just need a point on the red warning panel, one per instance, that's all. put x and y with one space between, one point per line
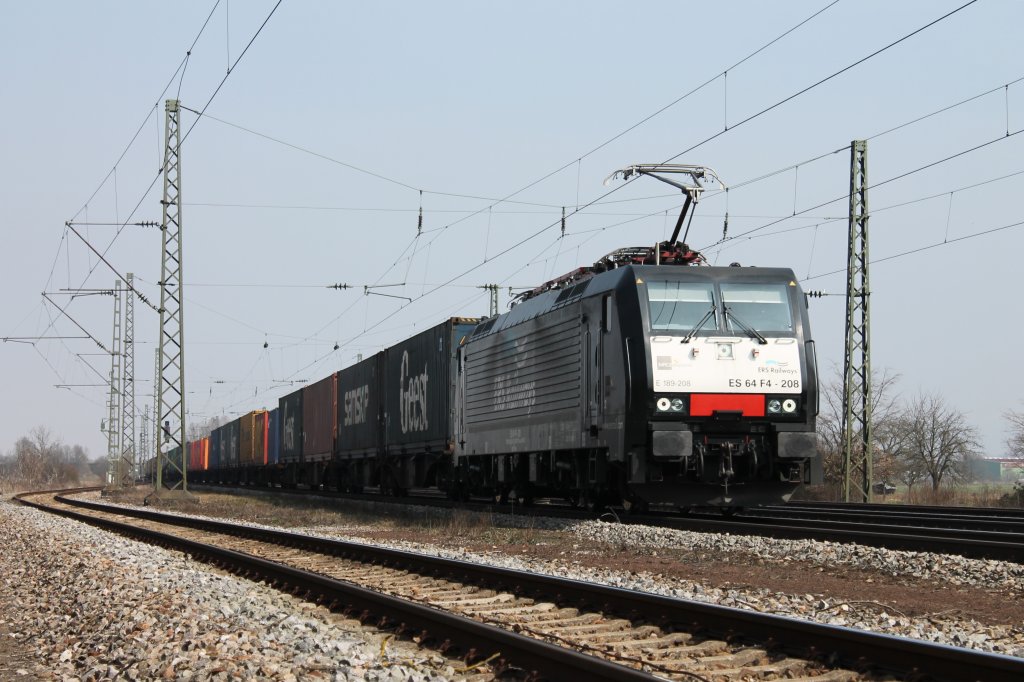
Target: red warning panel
704 404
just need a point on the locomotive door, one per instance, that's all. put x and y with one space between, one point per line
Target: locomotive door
597 348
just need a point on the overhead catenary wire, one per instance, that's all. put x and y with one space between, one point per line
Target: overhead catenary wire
578 162
153 182
836 219
493 257
170 81
926 247
194 123
744 121
874 185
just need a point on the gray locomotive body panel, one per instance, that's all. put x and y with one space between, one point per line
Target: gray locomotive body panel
523 387
549 375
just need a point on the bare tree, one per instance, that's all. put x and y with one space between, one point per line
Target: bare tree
1015 443
200 429
40 459
886 415
939 441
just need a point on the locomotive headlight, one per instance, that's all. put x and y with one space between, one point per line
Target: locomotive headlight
677 404
774 406
664 404
789 405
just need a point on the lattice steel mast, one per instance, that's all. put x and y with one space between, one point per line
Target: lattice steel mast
127 466
857 363
114 403
155 414
492 290
142 451
170 427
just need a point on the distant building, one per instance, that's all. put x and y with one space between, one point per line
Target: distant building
998 469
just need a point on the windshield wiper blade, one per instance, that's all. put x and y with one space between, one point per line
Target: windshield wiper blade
746 327
703 320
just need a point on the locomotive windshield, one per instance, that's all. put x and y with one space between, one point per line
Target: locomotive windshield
737 308
680 306
763 307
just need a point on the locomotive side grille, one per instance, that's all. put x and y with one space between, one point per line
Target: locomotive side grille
530 369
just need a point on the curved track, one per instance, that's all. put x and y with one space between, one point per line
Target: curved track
546 626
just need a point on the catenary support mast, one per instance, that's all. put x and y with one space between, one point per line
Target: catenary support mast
126 468
492 290
857 363
170 427
155 414
114 401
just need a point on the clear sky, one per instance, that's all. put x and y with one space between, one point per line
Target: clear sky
471 102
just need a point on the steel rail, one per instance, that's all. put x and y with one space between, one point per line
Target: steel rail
1000 512
972 544
806 639
996 524
549 661
1004 546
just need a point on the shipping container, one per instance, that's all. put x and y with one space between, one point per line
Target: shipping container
290 407
215 448
418 388
319 419
172 465
252 439
204 453
229 444
359 416
273 436
194 457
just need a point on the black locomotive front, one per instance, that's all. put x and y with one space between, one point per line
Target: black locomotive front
730 394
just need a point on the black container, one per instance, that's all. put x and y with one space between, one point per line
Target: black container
274 436
229 444
360 422
419 387
290 410
215 462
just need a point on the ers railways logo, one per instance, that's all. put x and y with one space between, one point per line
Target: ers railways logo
412 397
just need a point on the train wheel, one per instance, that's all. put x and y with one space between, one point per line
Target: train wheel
636 506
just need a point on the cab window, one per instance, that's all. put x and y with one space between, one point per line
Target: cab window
680 306
764 307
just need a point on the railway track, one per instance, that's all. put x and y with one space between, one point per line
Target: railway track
972 535
931 534
540 626
997 520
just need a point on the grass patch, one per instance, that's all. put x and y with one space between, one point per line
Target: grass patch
354 517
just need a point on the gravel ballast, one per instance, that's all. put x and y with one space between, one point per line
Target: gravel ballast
82 603
581 560
87 597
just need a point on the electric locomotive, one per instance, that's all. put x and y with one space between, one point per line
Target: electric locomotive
646 378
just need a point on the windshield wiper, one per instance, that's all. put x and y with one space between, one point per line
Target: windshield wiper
745 327
703 321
